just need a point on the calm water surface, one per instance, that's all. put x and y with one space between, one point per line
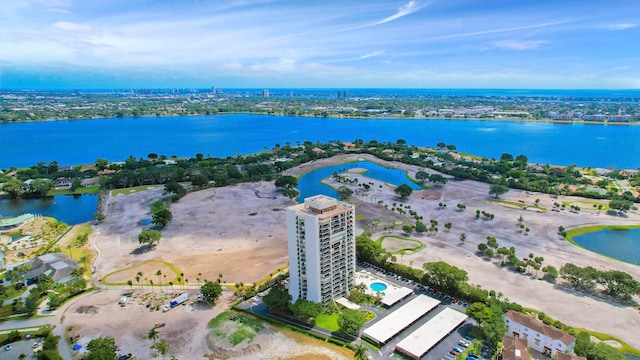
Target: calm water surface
620 244
84 141
72 209
309 184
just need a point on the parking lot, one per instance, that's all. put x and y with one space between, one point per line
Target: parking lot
441 350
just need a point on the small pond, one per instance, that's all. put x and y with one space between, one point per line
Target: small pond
621 244
309 184
71 209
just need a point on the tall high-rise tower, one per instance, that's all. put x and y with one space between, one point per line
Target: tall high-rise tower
322 249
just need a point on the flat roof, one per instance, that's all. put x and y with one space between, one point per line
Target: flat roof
428 335
394 296
13 221
399 319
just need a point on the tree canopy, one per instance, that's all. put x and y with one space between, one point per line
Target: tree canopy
497 190
445 277
102 348
404 191
278 299
286 182
162 217
149 237
351 321
211 291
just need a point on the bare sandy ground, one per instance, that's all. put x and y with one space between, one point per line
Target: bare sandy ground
239 231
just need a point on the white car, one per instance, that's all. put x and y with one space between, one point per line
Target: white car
464 343
8 347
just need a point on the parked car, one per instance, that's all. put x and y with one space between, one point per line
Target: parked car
8 347
464 343
458 349
453 352
454 300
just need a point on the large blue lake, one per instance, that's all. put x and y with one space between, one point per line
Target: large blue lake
72 209
84 141
309 183
619 244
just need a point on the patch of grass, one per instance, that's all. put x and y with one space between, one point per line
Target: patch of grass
625 348
131 190
519 205
78 191
173 268
220 319
368 315
420 246
328 321
360 217
371 345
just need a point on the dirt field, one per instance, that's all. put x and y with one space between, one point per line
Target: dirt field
240 232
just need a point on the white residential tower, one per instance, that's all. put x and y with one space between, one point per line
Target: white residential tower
322 249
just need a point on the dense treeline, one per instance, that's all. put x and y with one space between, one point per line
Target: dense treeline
616 283
202 171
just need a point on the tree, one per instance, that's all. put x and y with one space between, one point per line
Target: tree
420 227
360 352
497 190
445 277
404 191
291 193
422 176
211 291
308 309
102 348
437 179
286 182
463 237
52 355
278 299
620 205
344 192
175 188
618 284
162 347
153 334
162 217
99 217
149 237
550 273
75 184
350 322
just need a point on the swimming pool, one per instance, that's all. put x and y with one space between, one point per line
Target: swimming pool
378 286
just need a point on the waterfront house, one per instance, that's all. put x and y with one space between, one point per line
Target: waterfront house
543 338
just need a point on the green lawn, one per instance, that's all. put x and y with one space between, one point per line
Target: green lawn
244 327
328 321
420 244
78 191
131 190
519 205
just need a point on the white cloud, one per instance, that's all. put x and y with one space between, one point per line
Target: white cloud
406 9
618 27
69 26
520 45
371 54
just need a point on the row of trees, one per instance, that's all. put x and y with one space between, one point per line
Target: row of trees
350 322
616 283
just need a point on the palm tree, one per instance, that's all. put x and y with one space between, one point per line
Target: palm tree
130 283
165 279
152 334
151 284
138 281
158 273
360 352
83 259
219 278
163 348
145 279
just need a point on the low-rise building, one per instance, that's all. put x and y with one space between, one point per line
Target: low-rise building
514 349
543 338
58 266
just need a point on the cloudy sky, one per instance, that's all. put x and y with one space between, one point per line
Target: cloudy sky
318 44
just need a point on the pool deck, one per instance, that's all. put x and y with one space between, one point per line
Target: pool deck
393 294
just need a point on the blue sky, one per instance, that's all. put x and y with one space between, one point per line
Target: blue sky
318 44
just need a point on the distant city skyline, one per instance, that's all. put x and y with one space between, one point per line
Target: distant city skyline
544 44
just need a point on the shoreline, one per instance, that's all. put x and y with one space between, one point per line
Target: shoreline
341 116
